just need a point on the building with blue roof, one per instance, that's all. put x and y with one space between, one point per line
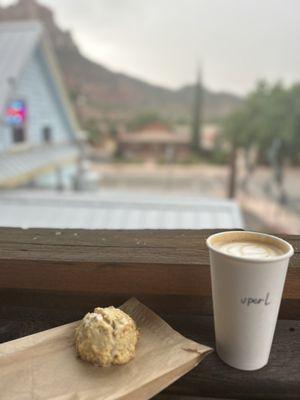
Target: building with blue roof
39 133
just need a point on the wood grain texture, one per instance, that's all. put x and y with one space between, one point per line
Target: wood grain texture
51 277
146 262
212 378
160 303
179 397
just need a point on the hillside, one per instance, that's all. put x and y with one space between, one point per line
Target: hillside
103 95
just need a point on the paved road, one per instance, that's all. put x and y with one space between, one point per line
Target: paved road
205 179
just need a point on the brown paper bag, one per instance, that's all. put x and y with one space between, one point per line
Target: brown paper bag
45 366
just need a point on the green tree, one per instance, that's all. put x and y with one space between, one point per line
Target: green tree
293 124
268 120
91 126
197 116
144 119
232 131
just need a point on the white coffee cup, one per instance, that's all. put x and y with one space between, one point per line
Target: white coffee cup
247 285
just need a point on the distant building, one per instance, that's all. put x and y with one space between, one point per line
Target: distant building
160 143
39 134
154 141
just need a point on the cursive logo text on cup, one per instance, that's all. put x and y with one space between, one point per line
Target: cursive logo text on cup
256 300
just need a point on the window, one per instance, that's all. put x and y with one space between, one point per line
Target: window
15 117
47 134
18 134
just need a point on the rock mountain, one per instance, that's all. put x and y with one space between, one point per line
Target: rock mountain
103 95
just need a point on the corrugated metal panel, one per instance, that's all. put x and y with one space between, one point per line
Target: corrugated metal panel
19 165
109 210
17 41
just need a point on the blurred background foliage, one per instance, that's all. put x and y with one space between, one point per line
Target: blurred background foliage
268 120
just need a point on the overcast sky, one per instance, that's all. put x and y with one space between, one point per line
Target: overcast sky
237 41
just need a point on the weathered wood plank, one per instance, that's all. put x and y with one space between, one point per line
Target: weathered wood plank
179 279
68 272
184 238
189 245
81 302
113 277
126 262
212 378
179 397
103 254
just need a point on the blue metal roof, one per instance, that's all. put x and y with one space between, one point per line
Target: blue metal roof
109 209
21 166
17 41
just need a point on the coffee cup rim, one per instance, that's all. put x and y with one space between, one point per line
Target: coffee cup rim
288 254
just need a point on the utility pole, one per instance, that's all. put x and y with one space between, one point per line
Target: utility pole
197 115
232 171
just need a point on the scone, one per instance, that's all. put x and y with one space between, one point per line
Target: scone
107 336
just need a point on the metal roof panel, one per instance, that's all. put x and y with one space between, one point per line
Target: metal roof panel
16 167
109 210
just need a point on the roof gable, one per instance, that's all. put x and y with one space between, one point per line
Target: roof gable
18 41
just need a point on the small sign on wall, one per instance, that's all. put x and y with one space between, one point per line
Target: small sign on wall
16 113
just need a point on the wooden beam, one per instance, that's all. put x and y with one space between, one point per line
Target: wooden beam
149 262
79 302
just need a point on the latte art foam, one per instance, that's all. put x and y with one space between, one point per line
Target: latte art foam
250 249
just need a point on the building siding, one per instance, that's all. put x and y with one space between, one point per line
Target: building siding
44 108
62 176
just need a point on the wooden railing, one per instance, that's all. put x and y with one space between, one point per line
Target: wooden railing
169 268
49 277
